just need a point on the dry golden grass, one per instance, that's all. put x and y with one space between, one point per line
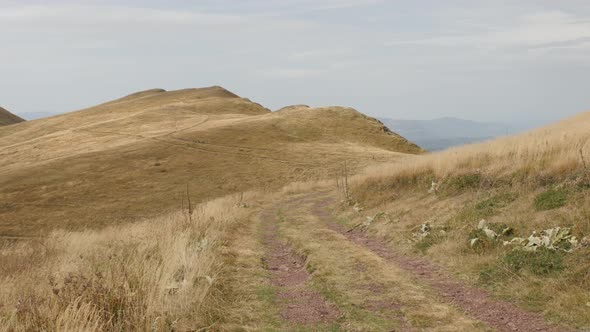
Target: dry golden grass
550 163
133 157
160 274
90 234
556 151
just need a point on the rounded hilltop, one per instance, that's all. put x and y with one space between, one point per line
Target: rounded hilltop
206 92
208 100
332 124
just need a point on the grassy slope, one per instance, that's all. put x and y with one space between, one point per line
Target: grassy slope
132 277
133 157
7 118
529 182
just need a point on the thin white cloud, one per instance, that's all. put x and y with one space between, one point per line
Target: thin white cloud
291 73
487 55
291 6
110 14
317 54
533 30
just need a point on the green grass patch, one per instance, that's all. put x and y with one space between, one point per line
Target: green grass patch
266 293
541 262
551 199
490 206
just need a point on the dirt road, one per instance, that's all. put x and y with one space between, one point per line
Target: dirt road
323 277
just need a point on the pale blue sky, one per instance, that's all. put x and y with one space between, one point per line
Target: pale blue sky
511 61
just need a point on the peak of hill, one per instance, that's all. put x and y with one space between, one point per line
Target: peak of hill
336 123
7 118
132 157
194 93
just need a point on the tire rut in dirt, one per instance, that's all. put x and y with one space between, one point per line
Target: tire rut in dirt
298 304
477 303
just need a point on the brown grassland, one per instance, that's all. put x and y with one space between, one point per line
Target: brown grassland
98 236
132 158
94 230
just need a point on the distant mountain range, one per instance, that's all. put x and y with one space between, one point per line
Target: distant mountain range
443 133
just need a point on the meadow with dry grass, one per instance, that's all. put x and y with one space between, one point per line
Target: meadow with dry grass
101 239
520 185
159 274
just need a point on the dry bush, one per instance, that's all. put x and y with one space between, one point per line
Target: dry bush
160 274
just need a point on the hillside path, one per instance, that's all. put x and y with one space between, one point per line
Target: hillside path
363 273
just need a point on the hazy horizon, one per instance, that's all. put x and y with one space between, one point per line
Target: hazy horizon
524 64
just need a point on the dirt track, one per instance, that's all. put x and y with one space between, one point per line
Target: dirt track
466 308
299 304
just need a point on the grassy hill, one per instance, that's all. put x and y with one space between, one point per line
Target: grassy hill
405 250
135 156
7 118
